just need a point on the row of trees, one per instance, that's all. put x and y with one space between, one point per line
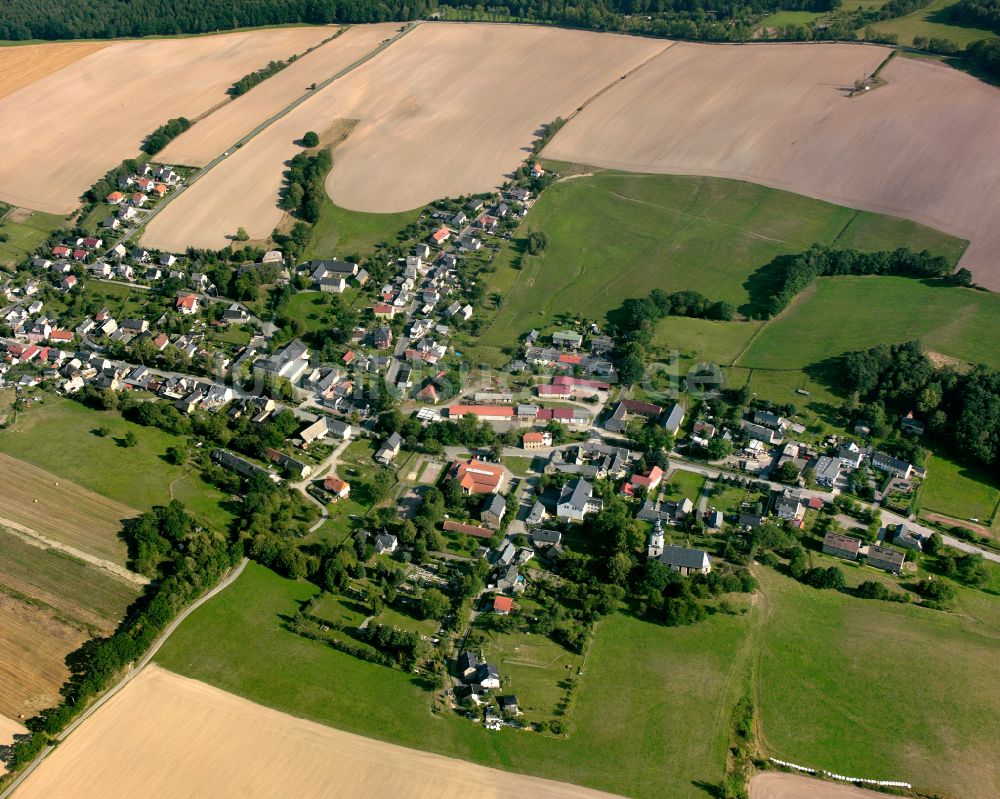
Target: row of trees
186 560
795 273
247 82
962 409
304 192
162 136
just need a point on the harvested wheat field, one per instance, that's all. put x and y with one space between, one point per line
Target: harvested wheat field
21 65
33 647
38 501
923 146
221 129
447 109
63 131
165 736
777 785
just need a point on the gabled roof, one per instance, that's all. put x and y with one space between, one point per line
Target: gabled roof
682 557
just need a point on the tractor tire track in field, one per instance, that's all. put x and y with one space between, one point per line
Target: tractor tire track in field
36 539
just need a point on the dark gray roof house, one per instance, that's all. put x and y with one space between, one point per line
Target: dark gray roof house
686 561
890 560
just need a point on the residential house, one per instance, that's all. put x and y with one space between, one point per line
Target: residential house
758 432
577 500
467 529
440 236
385 542
341 489
567 339
886 559
187 304
382 338
909 424
389 450
502 605
536 440
894 466
289 362
827 471
908 539
493 511
789 506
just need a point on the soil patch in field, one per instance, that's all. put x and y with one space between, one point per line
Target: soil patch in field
166 736
775 785
22 65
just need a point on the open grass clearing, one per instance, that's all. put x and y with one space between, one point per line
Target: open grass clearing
354 233
668 720
25 231
960 491
841 314
683 485
932 21
830 698
58 435
674 233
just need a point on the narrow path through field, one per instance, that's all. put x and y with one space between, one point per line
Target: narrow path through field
34 538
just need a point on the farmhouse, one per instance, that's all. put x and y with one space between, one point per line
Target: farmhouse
686 561
536 440
841 546
628 409
477 477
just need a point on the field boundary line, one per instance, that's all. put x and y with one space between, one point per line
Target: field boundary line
35 538
227 579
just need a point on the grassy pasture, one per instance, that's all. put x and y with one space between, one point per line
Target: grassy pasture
668 719
932 21
58 435
881 690
960 491
840 314
616 235
344 233
24 234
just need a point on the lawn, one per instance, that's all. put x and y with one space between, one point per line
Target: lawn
534 668
518 465
655 698
617 235
840 314
932 21
783 18
881 690
25 236
962 492
312 309
341 233
700 340
683 485
58 435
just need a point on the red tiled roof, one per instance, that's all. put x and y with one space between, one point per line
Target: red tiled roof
476 476
468 529
479 410
504 604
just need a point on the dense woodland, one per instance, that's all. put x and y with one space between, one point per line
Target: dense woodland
982 13
962 409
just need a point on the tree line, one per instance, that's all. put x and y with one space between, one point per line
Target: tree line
163 135
795 273
247 82
186 560
978 13
305 191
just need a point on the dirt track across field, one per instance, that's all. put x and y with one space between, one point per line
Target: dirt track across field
923 146
63 131
165 736
778 785
60 510
445 110
21 65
